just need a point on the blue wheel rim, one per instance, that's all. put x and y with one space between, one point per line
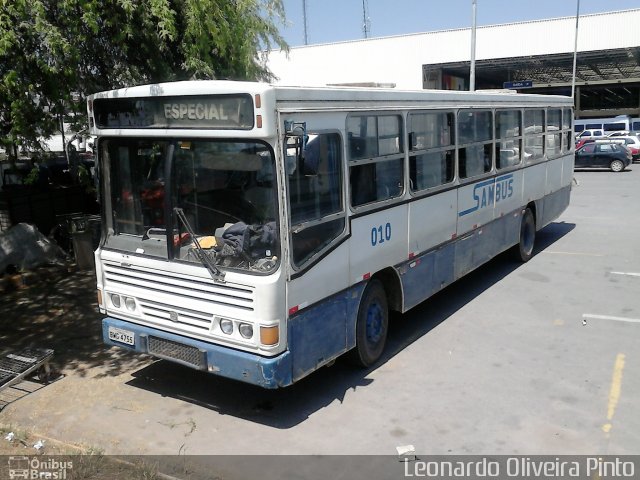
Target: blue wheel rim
375 318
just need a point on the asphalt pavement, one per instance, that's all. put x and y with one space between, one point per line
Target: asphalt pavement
536 358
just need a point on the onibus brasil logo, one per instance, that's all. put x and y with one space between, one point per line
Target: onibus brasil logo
38 468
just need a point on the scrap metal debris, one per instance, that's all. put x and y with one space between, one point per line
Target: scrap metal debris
24 247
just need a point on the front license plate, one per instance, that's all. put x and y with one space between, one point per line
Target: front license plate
122 336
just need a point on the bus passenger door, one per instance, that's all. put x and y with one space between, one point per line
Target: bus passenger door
317 288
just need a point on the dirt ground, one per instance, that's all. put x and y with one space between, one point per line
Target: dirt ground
55 307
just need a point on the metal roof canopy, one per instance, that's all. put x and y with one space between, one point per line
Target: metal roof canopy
596 67
608 81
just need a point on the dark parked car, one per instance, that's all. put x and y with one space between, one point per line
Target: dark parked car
599 154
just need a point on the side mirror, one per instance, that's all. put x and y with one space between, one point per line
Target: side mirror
294 134
302 151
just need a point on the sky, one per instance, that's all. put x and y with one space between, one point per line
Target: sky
341 20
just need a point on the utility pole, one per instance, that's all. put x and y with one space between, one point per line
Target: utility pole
575 53
304 17
472 73
366 22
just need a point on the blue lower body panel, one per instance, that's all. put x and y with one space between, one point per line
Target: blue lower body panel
267 372
322 332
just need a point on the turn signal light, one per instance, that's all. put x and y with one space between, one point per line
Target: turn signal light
269 335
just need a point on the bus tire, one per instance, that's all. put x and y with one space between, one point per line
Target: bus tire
372 325
524 249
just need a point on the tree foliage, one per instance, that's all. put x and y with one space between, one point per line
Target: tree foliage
55 52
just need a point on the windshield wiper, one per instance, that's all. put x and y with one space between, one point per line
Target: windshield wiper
214 271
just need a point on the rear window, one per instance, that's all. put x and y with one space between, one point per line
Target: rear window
606 148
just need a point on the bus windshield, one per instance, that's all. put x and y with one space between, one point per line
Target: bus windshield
226 190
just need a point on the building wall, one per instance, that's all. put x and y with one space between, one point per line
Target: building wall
398 60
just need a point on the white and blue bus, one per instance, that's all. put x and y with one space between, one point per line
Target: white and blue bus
621 123
259 232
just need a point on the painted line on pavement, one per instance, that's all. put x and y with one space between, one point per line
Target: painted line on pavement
583 254
590 316
628 274
614 391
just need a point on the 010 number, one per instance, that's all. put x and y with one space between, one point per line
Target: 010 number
380 234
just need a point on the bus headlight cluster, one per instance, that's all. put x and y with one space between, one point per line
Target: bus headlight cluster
246 330
117 300
228 327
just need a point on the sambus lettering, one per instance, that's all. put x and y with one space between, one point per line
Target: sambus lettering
485 193
504 187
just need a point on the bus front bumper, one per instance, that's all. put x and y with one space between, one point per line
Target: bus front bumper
267 372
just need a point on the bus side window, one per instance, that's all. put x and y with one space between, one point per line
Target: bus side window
375 143
534 131
508 138
475 135
314 196
363 184
432 147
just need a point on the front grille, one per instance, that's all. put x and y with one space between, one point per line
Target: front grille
184 287
178 301
170 350
177 315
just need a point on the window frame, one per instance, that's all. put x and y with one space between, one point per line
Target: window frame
411 152
483 143
499 139
557 134
543 134
342 214
371 160
568 140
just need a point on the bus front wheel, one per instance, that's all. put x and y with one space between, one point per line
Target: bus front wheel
372 325
524 249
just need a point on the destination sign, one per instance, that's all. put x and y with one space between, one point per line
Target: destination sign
211 111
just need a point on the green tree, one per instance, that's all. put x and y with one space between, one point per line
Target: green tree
55 52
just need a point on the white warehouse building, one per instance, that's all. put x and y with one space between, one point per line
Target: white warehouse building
536 55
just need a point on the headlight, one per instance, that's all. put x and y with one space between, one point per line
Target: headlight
130 303
226 326
115 299
246 330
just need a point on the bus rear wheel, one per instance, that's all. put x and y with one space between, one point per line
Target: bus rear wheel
372 325
524 249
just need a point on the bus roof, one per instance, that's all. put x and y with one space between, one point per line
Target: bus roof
331 93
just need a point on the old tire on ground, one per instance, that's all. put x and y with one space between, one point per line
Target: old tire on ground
523 251
371 326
